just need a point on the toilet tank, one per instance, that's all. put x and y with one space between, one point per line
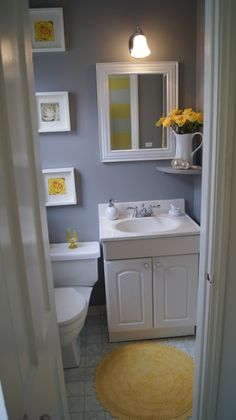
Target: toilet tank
75 267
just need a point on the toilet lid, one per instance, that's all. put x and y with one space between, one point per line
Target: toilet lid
70 305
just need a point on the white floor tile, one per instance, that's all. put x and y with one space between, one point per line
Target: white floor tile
94 339
93 348
94 415
89 388
92 403
77 416
76 404
75 388
89 373
93 359
76 374
108 416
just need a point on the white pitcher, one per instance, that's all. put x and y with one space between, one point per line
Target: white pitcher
184 149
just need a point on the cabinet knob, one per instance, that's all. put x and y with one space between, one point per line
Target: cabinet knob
158 264
146 265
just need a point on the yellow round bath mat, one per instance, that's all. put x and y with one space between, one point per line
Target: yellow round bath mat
146 381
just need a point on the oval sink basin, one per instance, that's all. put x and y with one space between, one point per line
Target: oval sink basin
147 225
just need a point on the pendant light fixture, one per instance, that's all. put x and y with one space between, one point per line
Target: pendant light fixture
138 46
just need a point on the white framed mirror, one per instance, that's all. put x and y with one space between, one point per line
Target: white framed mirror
131 98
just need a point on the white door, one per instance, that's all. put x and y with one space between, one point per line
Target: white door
218 193
129 294
175 281
30 363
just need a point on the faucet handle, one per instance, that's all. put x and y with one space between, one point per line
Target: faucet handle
144 211
155 206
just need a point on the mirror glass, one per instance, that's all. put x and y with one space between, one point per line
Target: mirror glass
131 98
136 101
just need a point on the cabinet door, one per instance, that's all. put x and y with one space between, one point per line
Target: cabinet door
175 280
129 294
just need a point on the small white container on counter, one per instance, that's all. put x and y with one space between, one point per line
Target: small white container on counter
112 212
175 211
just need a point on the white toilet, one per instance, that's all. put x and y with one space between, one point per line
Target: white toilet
75 272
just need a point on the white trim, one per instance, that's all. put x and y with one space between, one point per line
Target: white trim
170 69
220 69
134 111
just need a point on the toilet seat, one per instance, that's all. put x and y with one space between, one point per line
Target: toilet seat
71 306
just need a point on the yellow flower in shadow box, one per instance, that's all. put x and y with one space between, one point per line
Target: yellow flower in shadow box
56 186
59 186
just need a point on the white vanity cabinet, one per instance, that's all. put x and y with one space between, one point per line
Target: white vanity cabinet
151 297
175 280
151 271
129 293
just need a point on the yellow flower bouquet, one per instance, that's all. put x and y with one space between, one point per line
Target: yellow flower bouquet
182 121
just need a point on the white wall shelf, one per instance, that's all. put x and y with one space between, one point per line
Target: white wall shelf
169 170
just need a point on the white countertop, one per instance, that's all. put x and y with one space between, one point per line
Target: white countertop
107 232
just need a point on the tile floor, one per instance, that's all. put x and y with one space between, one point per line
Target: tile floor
82 401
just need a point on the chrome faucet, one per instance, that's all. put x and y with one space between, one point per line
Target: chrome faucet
135 211
144 211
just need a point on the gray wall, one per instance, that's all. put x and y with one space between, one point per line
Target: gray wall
99 32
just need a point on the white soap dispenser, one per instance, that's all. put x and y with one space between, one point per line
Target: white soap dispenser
112 211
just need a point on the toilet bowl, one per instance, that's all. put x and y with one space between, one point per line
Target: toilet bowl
74 275
71 309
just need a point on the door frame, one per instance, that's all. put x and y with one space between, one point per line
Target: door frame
220 67
219 133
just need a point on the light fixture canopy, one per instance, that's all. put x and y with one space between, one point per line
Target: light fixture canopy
138 46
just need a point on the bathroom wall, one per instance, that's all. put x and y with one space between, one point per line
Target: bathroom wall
99 32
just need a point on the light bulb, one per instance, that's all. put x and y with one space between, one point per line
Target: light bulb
140 47
138 44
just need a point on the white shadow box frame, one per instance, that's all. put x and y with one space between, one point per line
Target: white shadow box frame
53 111
59 186
47 29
